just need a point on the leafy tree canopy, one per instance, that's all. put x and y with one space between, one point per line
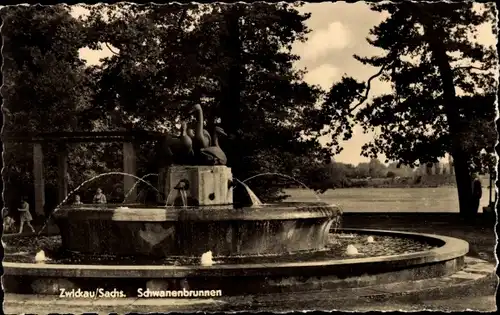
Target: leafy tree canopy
235 60
412 119
45 89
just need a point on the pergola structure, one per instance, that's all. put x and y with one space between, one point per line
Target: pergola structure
130 139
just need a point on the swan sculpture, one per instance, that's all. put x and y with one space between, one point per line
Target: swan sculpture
180 148
201 137
214 154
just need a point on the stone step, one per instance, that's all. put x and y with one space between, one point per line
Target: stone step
476 279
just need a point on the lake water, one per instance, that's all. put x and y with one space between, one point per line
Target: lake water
440 199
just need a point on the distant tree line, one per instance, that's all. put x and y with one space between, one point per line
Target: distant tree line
377 174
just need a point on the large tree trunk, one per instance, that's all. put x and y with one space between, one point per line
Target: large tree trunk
464 186
460 157
230 110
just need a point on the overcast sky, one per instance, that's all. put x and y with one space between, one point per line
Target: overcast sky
338 30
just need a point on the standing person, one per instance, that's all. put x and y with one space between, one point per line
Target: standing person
477 193
25 216
5 212
77 200
99 197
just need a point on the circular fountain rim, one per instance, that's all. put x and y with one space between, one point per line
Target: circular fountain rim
278 211
451 248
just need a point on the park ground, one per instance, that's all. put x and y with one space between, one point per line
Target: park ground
479 233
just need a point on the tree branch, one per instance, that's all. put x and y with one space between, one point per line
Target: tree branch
368 85
469 68
109 47
182 17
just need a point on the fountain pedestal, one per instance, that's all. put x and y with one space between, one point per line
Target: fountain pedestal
273 229
204 185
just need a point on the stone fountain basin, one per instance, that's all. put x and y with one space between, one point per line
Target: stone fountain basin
445 259
191 231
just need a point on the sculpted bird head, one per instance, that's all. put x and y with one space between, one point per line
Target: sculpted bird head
219 130
195 108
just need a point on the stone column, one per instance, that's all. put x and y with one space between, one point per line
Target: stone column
62 173
39 179
162 171
129 167
429 169
437 168
422 169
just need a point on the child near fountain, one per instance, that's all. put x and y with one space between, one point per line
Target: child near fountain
99 197
25 216
77 200
8 222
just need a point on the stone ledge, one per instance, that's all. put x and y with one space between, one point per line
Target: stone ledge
409 291
282 211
